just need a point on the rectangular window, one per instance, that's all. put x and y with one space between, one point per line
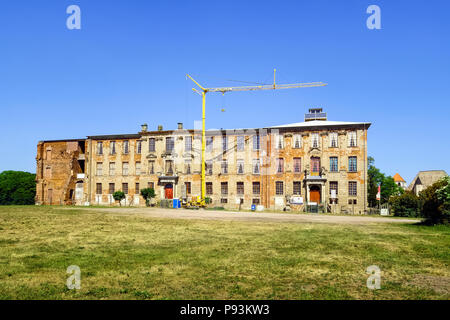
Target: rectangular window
209 144
125 188
187 166
188 143
297 165
125 168
169 167
240 166
224 200
112 147
224 188
297 188
137 188
188 187
99 148
280 165
279 141
352 188
138 168
151 145
224 143
99 188
351 136
334 164
112 168
279 189
256 166
315 166
111 188
224 166
151 185
256 188
240 143
333 140
352 164
240 188
209 188
126 147
256 142
151 167
139 147
170 144
209 167
255 201
297 141
315 140
334 186
99 168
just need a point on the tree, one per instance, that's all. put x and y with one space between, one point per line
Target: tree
17 188
435 204
389 188
405 205
119 196
148 194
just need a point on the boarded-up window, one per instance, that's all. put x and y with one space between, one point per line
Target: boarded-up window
48 172
297 188
137 188
240 188
209 188
279 189
99 188
224 187
256 188
188 187
151 185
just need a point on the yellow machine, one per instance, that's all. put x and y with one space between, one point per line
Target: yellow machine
194 203
223 90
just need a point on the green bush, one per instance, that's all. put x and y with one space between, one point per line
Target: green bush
147 194
119 196
436 202
17 188
405 205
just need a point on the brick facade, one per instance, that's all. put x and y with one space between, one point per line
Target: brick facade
244 167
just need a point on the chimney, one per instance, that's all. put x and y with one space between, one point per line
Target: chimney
160 128
144 127
180 126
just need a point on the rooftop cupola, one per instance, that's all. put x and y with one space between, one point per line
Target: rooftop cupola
315 114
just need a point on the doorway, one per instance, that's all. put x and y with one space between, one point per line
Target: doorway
314 194
168 191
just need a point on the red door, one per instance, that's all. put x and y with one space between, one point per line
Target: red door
314 194
168 191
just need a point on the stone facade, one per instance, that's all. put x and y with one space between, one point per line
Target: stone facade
283 167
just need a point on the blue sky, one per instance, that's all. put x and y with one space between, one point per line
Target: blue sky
127 66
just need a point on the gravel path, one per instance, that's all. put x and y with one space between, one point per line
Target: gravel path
250 216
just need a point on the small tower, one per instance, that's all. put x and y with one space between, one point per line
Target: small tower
315 114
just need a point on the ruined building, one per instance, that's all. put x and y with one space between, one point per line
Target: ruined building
317 162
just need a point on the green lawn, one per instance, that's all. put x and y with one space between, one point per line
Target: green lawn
122 256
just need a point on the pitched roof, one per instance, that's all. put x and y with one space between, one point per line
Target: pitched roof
321 123
398 178
427 178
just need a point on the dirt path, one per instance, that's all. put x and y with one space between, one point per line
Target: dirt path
249 216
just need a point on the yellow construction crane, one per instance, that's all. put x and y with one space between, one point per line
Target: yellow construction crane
223 90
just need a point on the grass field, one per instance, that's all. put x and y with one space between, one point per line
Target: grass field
123 256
